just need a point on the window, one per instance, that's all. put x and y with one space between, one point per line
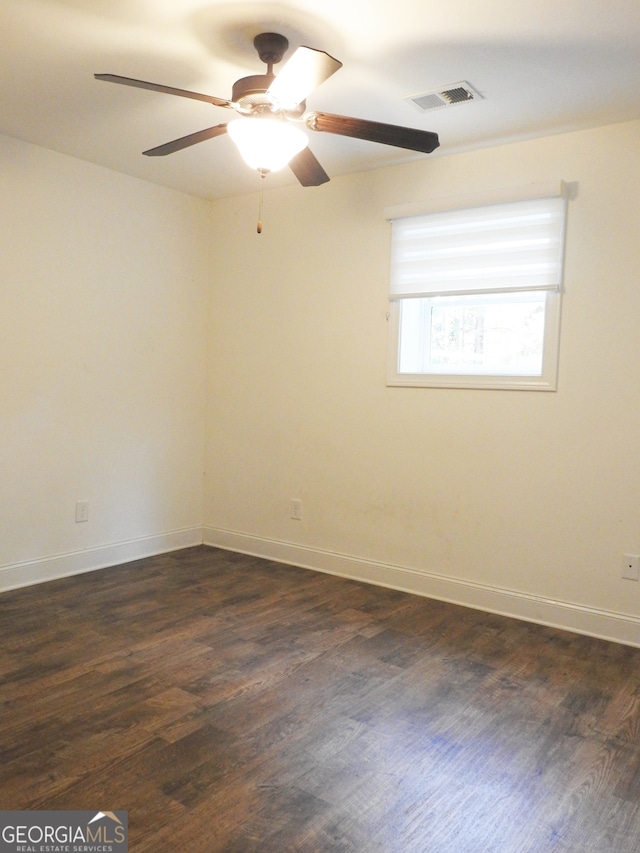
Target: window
475 295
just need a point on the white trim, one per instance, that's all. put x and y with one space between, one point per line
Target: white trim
77 562
501 195
607 625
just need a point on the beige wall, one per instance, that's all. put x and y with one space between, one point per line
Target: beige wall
103 291
461 493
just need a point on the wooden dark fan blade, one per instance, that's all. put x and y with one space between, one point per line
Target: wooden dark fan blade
168 90
307 169
374 131
186 141
303 73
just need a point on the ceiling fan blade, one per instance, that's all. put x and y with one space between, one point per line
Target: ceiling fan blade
307 169
374 131
303 73
186 141
168 90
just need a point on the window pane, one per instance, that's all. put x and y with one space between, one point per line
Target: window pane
494 334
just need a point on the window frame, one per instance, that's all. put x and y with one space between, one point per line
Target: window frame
547 379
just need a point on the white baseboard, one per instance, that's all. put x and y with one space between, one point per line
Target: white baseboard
77 562
607 625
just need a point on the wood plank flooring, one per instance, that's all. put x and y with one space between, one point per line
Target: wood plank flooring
235 705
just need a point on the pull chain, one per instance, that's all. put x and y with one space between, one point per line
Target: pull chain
261 199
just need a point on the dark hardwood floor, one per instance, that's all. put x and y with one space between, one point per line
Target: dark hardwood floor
233 704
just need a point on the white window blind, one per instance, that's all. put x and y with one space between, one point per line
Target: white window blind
499 248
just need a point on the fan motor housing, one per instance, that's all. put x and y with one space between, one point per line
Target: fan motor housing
250 92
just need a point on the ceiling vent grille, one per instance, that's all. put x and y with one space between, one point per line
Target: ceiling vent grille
449 96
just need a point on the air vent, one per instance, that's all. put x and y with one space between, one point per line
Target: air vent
448 96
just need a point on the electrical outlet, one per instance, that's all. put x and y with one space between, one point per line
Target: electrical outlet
631 566
82 511
295 509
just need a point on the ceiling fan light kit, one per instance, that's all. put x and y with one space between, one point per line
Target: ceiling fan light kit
266 144
271 106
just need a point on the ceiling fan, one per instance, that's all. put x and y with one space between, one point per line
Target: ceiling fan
276 102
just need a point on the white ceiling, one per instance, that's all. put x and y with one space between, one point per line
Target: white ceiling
542 67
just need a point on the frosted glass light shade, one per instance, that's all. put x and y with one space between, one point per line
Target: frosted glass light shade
266 144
